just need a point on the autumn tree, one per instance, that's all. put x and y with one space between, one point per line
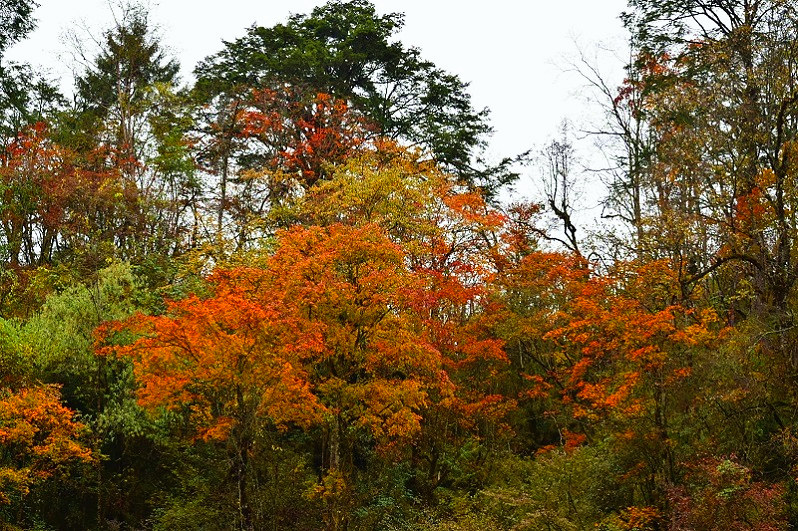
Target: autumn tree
37 181
613 352
220 362
278 143
722 102
379 368
303 134
40 437
42 440
447 233
312 343
58 206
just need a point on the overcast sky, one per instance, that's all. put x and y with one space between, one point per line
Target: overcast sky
514 53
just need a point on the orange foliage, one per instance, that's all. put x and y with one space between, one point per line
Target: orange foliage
446 235
223 359
336 324
612 334
39 436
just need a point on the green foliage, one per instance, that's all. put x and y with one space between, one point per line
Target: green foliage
25 96
203 495
15 355
130 62
556 490
62 333
16 20
58 344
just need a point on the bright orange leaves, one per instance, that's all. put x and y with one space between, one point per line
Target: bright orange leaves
610 335
354 285
224 359
329 327
38 436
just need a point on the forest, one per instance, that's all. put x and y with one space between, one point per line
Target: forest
291 292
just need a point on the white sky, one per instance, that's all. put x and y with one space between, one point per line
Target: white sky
513 52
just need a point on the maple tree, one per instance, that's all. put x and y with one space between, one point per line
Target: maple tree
220 362
269 146
39 437
309 340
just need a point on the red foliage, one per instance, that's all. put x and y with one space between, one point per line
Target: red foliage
303 134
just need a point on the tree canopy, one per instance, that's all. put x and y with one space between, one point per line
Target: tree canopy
286 295
347 50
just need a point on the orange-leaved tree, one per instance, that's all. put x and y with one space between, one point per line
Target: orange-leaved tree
379 367
609 351
447 234
328 333
268 146
302 133
230 364
39 438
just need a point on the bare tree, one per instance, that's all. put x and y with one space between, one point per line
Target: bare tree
560 187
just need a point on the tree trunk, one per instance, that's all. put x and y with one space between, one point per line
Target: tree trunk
241 468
